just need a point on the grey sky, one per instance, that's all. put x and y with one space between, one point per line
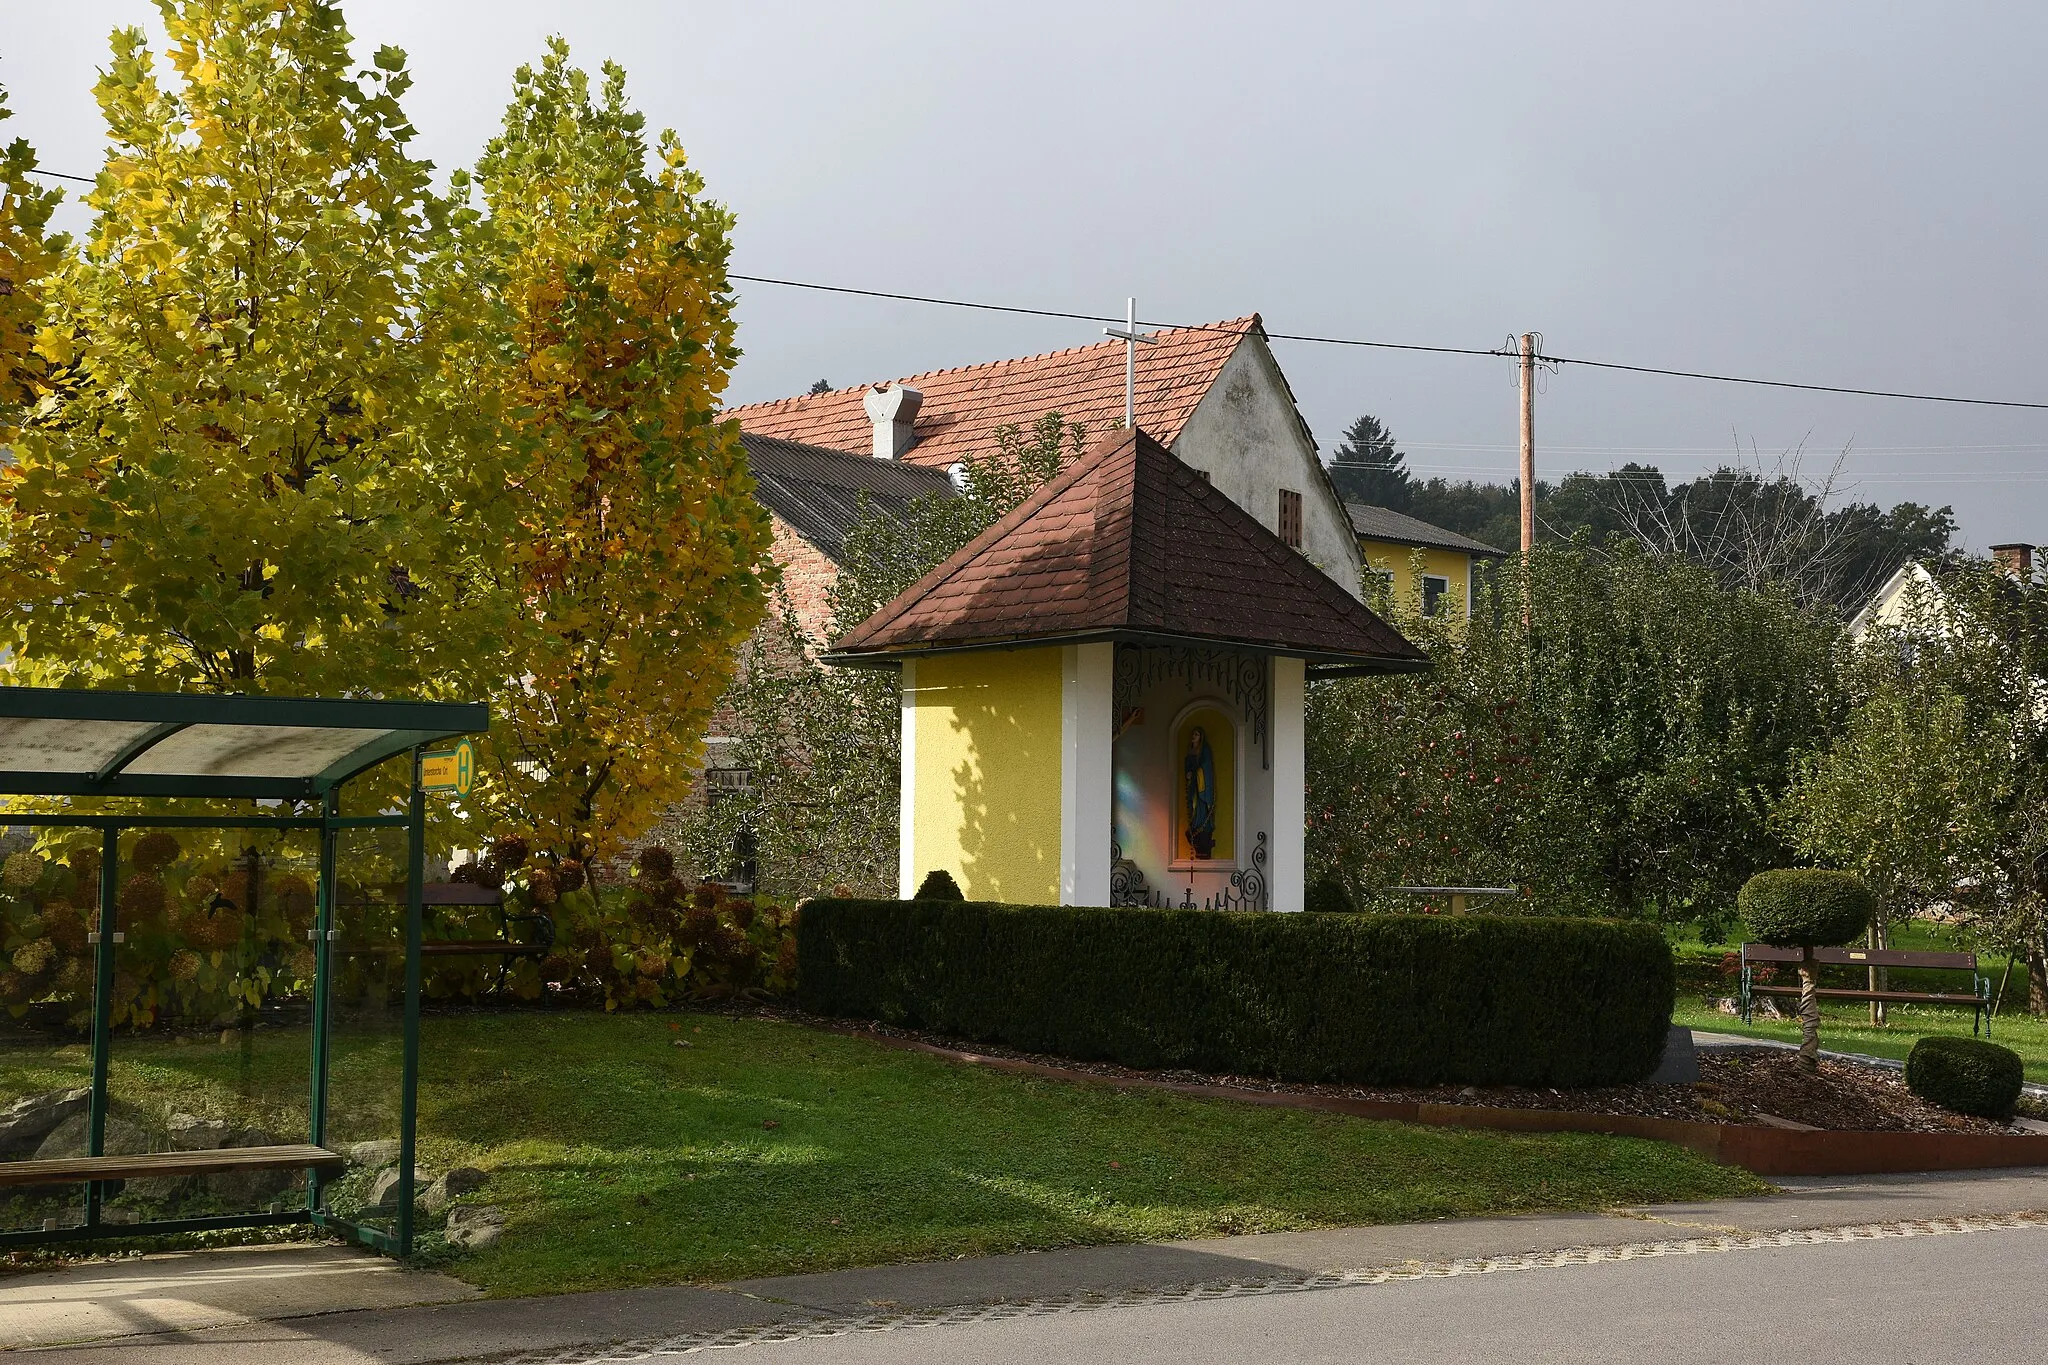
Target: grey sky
1844 194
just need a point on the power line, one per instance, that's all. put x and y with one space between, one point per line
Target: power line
1099 317
59 175
1788 384
1403 346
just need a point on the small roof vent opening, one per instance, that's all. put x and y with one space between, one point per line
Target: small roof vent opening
893 410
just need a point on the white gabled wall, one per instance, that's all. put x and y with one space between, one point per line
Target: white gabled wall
1087 741
906 800
1246 435
1288 880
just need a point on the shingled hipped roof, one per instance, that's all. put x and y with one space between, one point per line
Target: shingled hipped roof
1130 543
963 407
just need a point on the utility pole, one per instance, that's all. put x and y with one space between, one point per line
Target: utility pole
1528 444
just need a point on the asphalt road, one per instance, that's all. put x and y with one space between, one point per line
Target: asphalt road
1980 1297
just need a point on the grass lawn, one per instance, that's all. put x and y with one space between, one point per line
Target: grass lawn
621 1158
1846 1027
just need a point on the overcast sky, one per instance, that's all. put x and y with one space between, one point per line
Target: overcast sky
1844 194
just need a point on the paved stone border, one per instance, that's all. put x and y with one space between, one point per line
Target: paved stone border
691 1343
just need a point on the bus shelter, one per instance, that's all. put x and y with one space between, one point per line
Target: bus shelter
238 992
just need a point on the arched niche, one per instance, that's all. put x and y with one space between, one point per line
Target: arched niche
1202 771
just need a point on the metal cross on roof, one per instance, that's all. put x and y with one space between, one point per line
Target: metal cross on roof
1130 337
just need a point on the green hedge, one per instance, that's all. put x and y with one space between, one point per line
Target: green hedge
1967 1075
1385 999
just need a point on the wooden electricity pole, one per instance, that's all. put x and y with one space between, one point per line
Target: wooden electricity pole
1528 446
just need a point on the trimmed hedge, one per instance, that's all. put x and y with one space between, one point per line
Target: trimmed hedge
1377 999
1806 907
1967 1075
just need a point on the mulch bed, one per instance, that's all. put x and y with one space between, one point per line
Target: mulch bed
1736 1086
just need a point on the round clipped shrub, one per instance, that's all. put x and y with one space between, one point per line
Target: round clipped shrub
1968 1075
1326 895
938 885
1806 907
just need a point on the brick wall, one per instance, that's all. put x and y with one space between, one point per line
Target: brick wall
807 578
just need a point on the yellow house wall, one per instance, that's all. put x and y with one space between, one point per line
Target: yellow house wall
987 769
1399 560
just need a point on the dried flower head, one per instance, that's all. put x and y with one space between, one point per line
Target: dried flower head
155 851
655 862
141 900
33 959
509 852
184 965
21 870
569 875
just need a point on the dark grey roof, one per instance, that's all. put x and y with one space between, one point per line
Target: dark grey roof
1384 523
818 491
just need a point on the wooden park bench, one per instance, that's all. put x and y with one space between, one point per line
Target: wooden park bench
505 945
158 1165
1458 894
1977 1000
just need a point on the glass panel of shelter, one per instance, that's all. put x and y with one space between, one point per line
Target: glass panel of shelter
211 1042
365 1026
49 903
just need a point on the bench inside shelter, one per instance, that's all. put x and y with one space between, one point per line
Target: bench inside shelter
1977 998
158 1165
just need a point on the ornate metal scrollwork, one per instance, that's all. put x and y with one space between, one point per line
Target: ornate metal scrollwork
1239 675
1127 886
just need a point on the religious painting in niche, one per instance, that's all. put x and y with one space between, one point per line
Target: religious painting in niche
1203 772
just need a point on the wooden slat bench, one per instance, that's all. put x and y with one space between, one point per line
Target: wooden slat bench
1977 1000
152 1165
504 946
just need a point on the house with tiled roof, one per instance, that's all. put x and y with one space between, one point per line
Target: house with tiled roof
1214 395
1435 568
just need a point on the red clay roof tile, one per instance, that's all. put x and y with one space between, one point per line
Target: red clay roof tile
1130 541
963 407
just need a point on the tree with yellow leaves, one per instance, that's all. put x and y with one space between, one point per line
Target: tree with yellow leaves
237 479
26 256
639 562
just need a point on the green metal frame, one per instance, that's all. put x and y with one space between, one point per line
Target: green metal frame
404 726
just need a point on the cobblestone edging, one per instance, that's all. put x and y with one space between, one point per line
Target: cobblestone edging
691 1343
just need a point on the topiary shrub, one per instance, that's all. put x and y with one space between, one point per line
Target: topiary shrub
938 885
1967 1075
1806 907
1327 896
1376 999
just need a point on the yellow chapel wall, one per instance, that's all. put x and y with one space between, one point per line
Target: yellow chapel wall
986 802
1399 560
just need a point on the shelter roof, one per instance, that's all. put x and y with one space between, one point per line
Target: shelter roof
1384 523
1131 543
963 407
819 492
68 742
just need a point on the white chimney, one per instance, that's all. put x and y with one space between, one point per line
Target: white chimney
892 410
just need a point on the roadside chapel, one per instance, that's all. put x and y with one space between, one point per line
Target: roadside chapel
1103 694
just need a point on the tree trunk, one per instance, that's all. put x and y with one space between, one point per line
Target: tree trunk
1809 1014
1880 937
2037 976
